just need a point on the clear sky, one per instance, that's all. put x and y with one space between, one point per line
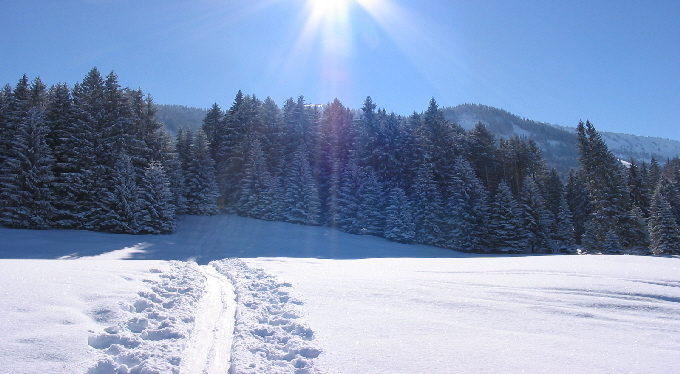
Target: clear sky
616 63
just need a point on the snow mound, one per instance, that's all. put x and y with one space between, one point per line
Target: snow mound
270 335
148 335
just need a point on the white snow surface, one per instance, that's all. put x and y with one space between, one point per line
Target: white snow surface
314 300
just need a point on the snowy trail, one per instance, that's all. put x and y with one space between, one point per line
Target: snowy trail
209 348
270 334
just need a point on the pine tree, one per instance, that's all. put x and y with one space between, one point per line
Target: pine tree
213 127
201 190
156 202
347 213
254 195
399 224
371 207
428 206
537 219
607 188
117 207
663 226
640 196
483 155
6 99
302 195
507 234
71 153
578 202
465 208
334 144
25 185
563 232
519 159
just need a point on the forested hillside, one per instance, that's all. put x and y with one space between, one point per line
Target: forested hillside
175 116
95 157
559 143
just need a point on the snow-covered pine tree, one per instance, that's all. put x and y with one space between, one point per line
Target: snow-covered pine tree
562 233
214 129
428 204
399 224
663 226
519 158
371 215
26 181
172 167
506 233
483 155
465 208
156 202
238 123
117 206
346 216
639 231
74 156
6 98
253 195
537 219
334 142
607 189
640 196
578 202
302 195
201 191
653 176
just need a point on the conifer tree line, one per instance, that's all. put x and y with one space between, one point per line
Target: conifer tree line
94 157
412 179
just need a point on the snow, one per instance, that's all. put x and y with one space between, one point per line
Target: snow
214 327
314 300
557 314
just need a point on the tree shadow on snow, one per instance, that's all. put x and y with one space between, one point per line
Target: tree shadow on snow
204 239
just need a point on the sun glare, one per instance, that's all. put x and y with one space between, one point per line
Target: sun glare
329 8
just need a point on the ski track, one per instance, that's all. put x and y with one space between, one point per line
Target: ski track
220 318
270 335
208 350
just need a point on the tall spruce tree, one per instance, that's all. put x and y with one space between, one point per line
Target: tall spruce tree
399 223
607 189
156 202
302 194
507 233
201 191
663 226
26 181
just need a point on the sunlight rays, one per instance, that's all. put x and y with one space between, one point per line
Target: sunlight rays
331 41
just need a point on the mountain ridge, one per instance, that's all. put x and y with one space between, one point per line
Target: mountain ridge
557 142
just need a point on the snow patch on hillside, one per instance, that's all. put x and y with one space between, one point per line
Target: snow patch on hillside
641 147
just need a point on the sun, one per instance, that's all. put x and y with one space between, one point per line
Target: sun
329 8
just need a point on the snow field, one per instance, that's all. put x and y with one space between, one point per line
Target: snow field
483 314
375 306
270 335
51 308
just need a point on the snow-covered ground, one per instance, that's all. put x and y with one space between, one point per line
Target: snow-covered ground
314 300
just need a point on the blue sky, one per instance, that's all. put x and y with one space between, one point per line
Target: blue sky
616 63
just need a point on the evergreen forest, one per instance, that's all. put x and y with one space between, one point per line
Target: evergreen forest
94 157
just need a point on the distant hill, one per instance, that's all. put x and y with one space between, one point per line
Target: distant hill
558 143
176 116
